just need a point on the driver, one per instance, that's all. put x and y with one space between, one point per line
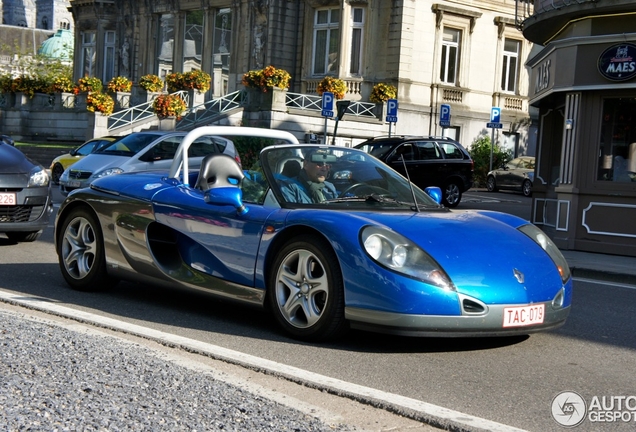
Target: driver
310 186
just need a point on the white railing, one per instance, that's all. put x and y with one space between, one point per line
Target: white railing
314 103
208 111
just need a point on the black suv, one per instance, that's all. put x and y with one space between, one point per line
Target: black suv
431 161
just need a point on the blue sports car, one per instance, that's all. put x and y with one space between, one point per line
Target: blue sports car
326 237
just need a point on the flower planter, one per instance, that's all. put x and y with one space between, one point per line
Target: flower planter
64 100
195 98
122 100
274 99
167 123
140 96
97 125
21 101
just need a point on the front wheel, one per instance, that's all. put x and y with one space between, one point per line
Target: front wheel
56 173
452 195
526 188
305 290
81 252
491 184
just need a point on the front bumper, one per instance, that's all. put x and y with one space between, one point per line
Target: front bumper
487 324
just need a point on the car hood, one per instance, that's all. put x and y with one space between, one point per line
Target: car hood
480 250
96 162
13 161
483 270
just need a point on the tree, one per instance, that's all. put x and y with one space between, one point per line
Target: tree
480 153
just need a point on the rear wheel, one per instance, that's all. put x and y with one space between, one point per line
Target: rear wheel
81 252
305 290
56 173
28 236
491 184
452 194
526 188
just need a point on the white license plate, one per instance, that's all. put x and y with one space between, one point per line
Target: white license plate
74 184
7 198
523 315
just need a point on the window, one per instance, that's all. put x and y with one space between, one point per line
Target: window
193 41
165 41
510 65
451 151
109 55
88 54
326 41
451 41
357 36
428 150
617 152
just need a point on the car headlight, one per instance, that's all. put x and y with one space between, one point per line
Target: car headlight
38 178
107 172
549 247
397 253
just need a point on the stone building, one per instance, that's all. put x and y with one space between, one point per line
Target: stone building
583 82
468 55
36 14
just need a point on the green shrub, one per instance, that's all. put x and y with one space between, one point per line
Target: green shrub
480 152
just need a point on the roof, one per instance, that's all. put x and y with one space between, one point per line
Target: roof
59 46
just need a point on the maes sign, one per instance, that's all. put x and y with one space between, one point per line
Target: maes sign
618 62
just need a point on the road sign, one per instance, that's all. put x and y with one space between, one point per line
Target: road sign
495 115
391 110
494 125
444 115
327 104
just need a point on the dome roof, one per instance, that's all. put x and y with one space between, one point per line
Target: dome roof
59 46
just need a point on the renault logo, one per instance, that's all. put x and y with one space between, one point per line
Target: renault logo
519 276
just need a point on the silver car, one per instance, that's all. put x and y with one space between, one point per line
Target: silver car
140 151
25 195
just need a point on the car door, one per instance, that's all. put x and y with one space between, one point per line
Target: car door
431 169
404 154
508 174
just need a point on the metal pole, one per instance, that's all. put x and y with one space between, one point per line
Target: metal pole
390 124
324 134
492 146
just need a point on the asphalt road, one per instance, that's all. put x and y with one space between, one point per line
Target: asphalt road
508 380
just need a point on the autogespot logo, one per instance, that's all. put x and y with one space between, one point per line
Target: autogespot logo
568 409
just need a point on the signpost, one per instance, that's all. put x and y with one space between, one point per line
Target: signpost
327 111
495 123
444 116
391 112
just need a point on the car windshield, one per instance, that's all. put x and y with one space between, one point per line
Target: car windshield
338 177
129 145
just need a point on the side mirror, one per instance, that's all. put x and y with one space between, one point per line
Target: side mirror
226 196
435 193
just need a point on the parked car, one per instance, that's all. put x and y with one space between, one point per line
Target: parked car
60 163
380 254
518 175
139 151
25 195
430 161
6 139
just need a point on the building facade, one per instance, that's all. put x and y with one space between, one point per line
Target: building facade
583 82
36 14
468 55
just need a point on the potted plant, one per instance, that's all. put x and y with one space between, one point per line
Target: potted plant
382 92
119 84
99 102
151 83
333 85
121 87
62 87
266 78
88 84
169 105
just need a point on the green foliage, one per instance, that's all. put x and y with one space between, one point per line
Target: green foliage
151 83
249 148
265 78
480 153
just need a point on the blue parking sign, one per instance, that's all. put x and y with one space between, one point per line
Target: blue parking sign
444 115
391 110
327 104
495 115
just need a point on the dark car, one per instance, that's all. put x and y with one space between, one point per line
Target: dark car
430 161
25 195
517 175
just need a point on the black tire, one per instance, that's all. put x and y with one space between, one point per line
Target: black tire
80 250
28 236
526 188
56 173
491 184
307 300
452 194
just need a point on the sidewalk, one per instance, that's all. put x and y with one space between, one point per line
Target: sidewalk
611 268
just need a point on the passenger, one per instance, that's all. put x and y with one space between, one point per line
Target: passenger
310 185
